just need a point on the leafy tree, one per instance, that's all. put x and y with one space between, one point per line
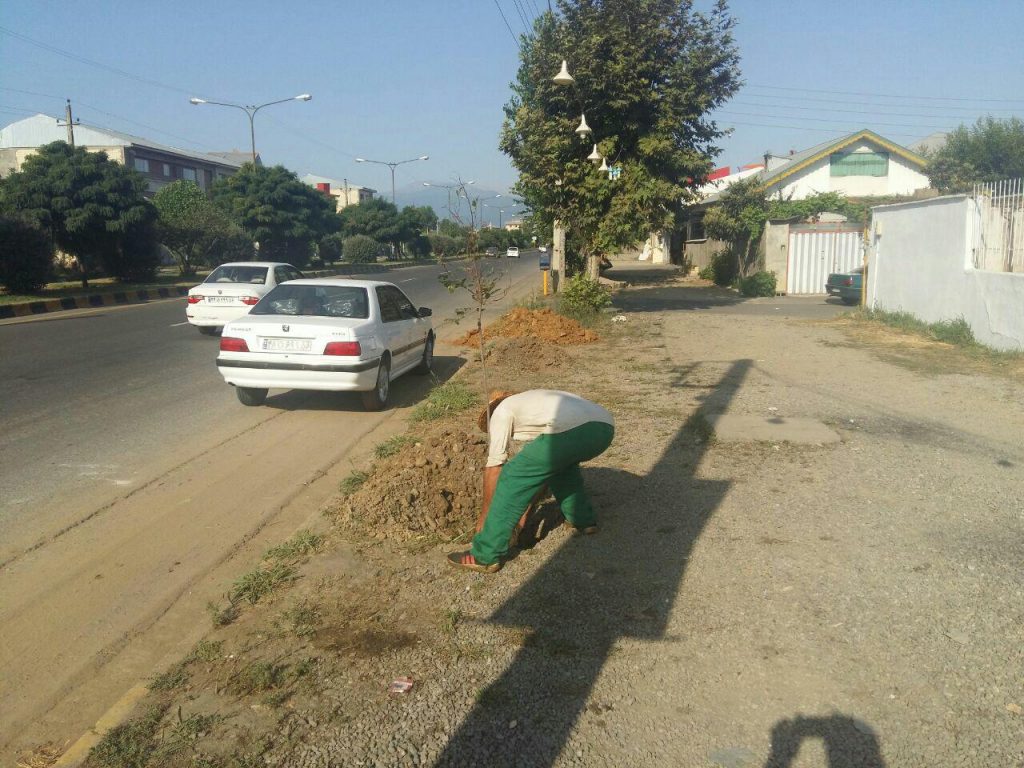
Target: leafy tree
26 255
360 249
331 248
741 213
192 226
452 228
135 255
373 218
990 150
442 245
648 73
88 203
416 219
285 216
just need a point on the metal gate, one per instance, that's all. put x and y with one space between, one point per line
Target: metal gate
815 252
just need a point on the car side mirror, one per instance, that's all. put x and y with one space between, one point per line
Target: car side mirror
425 311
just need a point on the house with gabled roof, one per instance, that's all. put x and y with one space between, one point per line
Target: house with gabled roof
159 164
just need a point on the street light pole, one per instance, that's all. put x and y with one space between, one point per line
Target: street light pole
250 110
392 166
449 188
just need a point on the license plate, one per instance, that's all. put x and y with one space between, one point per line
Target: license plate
286 345
221 300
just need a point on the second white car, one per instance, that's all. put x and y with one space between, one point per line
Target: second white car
231 290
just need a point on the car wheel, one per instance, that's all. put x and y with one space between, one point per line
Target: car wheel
251 395
207 330
427 363
377 398
850 301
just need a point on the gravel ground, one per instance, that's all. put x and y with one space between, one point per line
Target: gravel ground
860 604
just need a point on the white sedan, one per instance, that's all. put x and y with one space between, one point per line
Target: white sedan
327 334
231 290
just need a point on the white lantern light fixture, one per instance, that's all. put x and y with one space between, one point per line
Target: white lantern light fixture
563 77
604 164
583 130
595 156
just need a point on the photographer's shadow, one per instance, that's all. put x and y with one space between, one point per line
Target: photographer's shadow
849 743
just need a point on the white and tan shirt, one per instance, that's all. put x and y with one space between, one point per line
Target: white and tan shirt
536 412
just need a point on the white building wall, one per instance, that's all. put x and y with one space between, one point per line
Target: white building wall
902 179
921 262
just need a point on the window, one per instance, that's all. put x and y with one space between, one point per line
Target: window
405 307
189 174
315 300
167 169
141 165
238 274
859 164
389 309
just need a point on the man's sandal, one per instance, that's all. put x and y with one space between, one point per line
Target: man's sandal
467 561
586 530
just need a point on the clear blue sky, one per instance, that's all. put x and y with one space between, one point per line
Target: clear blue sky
394 79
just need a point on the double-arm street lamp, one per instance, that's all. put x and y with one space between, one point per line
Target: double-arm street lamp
479 202
392 166
449 188
250 110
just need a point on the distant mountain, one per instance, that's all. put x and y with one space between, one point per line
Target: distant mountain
437 198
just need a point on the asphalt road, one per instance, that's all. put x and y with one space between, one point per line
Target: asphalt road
129 478
90 399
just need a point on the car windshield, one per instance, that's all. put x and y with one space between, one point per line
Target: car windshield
315 301
238 274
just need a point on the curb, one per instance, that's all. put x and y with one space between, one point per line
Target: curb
90 302
118 298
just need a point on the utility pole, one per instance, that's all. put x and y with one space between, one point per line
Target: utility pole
69 122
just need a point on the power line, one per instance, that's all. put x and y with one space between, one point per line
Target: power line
507 25
307 137
834 131
522 15
91 62
826 120
887 95
849 111
818 99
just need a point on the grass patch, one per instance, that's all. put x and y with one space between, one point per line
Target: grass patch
130 744
260 582
205 650
259 677
393 445
303 618
222 616
175 677
956 332
353 482
303 543
533 300
451 397
451 621
69 288
185 732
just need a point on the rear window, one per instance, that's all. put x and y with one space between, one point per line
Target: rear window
238 274
315 301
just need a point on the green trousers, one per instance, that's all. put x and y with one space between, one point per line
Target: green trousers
551 460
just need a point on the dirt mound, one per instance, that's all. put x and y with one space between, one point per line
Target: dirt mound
527 353
430 486
543 324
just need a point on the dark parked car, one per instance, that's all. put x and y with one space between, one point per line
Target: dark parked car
846 285
491 252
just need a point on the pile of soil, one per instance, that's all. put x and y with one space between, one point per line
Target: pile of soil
544 324
525 354
430 487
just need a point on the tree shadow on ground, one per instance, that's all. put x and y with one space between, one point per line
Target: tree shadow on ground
647 275
685 297
849 743
592 593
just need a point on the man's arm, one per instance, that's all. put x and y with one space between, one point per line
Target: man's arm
491 475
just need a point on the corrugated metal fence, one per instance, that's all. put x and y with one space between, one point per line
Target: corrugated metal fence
815 252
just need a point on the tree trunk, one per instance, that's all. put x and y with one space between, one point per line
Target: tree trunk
593 266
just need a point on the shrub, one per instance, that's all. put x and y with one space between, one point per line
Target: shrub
707 273
360 249
331 248
25 257
442 245
419 246
758 284
723 268
581 295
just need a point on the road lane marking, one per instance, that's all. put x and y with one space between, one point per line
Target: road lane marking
175 325
411 279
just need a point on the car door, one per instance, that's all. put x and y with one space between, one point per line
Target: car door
392 328
417 327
